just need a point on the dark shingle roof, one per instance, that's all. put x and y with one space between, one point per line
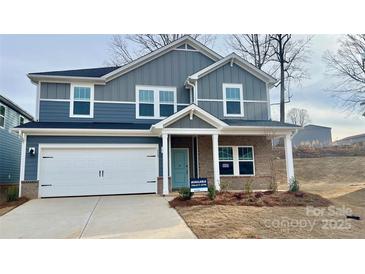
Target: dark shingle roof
90 72
254 123
74 125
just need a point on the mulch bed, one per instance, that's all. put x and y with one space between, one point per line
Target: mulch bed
266 198
7 206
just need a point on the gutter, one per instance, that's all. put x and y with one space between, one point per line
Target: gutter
193 88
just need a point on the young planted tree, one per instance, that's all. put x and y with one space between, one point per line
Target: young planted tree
298 116
347 67
126 48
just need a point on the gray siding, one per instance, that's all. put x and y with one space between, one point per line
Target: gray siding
31 162
55 91
210 86
185 122
10 148
171 69
52 111
252 111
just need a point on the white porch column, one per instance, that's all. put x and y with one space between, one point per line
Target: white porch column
22 161
216 161
289 157
165 164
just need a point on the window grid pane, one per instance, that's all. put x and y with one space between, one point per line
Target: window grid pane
146 96
166 97
2 121
246 168
245 153
225 153
233 94
166 110
82 93
233 107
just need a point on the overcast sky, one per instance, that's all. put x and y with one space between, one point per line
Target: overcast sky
21 54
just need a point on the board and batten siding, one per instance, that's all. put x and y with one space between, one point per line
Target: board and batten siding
55 91
10 148
186 122
31 161
171 69
210 87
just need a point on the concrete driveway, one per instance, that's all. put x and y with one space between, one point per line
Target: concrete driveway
129 216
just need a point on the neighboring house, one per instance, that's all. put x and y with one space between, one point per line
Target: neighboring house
311 136
351 140
11 116
180 112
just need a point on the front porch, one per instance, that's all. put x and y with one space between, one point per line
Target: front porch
194 157
196 144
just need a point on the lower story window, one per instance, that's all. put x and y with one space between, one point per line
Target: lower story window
226 161
245 158
236 160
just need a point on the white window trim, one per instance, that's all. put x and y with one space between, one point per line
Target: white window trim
236 161
72 86
3 115
240 87
156 100
21 116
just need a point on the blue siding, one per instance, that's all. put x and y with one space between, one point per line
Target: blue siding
10 148
59 111
31 162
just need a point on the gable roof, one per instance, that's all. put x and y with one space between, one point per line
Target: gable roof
186 39
90 72
233 57
15 107
105 74
192 110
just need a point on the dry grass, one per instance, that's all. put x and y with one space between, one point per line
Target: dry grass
340 179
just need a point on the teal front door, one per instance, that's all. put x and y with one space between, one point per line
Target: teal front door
180 167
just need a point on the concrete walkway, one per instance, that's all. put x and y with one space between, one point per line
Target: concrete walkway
128 216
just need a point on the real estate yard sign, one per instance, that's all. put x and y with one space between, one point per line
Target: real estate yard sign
198 184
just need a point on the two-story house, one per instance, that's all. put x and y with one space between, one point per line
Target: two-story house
180 112
11 115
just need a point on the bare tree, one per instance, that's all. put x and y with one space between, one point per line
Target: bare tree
347 66
298 116
290 54
126 48
255 48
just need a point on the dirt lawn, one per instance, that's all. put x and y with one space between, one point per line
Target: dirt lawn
340 179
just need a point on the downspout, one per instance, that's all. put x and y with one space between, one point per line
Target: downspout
192 87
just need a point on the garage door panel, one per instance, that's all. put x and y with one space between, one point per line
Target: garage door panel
76 172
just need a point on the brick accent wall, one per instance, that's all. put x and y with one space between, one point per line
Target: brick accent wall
160 185
30 189
262 155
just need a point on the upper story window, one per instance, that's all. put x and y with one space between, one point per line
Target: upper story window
155 102
2 116
236 161
21 120
82 101
233 100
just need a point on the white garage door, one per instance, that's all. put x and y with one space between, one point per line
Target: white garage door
77 171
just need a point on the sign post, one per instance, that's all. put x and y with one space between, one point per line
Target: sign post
198 184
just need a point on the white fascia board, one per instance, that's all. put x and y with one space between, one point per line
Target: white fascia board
185 111
155 54
240 62
65 79
84 132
